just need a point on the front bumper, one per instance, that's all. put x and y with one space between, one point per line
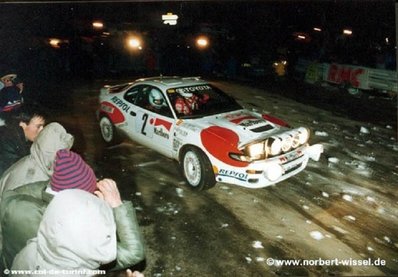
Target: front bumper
264 173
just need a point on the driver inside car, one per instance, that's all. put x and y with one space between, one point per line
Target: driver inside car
187 102
156 100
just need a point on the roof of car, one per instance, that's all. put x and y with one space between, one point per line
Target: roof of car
172 81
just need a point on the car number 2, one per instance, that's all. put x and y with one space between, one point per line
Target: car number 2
144 119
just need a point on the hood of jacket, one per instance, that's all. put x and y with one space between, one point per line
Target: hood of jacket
38 166
77 232
51 139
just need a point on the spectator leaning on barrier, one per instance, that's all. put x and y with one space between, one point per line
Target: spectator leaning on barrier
17 135
22 209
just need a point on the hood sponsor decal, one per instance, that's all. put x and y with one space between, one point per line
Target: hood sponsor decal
219 142
240 119
248 121
275 120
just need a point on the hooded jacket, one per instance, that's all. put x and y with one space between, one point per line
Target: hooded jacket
77 234
22 210
38 166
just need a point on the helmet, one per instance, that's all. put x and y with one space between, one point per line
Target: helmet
156 99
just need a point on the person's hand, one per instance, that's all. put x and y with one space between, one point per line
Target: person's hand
129 273
108 191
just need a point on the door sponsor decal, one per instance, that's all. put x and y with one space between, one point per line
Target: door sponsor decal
233 174
119 103
160 127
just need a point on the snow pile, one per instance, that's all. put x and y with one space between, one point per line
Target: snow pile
317 235
257 244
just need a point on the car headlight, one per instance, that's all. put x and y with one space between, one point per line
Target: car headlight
255 151
304 135
274 146
287 142
296 140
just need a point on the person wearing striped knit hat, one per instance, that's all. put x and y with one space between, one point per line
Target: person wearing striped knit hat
22 209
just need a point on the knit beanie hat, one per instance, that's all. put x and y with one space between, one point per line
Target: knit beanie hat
71 172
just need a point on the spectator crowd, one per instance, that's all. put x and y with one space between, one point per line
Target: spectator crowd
55 215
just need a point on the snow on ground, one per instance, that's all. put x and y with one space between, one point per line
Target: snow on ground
350 195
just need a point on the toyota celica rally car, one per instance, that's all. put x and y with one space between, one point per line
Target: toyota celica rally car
214 139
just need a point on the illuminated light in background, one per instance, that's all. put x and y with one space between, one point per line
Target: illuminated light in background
202 42
170 19
134 43
98 25
316 29
347 32
54 42
301 37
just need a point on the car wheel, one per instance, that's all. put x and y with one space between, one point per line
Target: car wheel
197 169
108 131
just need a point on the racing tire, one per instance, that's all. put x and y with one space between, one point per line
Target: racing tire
108 131
197 169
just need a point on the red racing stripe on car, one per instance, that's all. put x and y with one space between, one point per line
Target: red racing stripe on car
164 123
275 120
115 115
219 142
240 119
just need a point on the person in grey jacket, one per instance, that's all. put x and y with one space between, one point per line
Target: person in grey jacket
22 209
79 232
38 166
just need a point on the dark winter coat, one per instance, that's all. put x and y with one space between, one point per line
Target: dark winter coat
13 146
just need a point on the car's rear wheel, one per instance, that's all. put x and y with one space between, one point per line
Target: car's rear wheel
108 131
197 169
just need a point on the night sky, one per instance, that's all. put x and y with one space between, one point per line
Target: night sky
244 28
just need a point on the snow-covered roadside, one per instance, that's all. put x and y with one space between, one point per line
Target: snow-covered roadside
343 207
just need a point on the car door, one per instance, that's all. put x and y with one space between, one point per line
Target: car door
153 127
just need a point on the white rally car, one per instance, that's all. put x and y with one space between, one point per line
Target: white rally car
212 137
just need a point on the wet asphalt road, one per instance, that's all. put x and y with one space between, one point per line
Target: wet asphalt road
233 231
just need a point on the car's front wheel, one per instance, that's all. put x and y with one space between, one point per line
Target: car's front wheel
108 131
197 169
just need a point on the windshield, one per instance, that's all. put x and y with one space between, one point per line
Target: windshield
200 100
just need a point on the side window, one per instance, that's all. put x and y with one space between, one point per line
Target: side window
131 95
142 99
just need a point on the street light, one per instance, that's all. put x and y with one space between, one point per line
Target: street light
98 25
202 42
134 43
54 42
